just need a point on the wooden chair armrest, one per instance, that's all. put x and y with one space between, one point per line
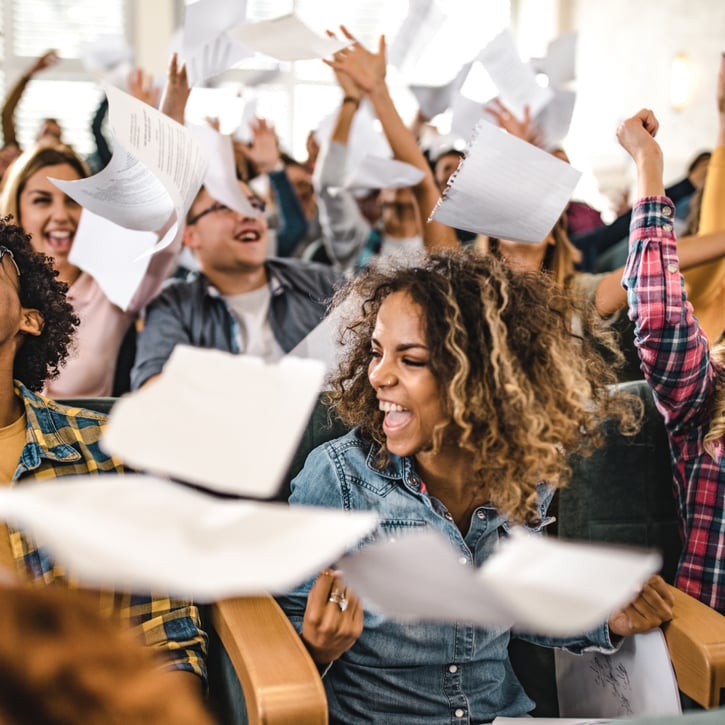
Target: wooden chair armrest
696 642
281 683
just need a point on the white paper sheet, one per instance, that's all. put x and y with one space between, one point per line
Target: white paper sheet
227 422
374 172
538 585
636 680
156 170
286 38
554 120
138 533
114 256
433 100
220 178
516 82
560 61
466 113
215 57
415 35
506 188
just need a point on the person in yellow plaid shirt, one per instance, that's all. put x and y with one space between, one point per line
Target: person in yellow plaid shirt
42 440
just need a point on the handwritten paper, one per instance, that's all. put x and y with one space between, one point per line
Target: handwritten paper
636 680
240 422
114 256
156 170
207 49
286 38
536 584
506 188
138 533
514 79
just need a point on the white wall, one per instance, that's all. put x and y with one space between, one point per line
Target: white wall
624 59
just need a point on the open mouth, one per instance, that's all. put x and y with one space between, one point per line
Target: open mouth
396 416
59 242
249 235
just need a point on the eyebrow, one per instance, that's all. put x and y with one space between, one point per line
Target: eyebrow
404 346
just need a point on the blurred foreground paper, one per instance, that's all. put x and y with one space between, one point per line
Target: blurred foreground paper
374 172
534 584
227 422
138 533
506 188
638 679
286 38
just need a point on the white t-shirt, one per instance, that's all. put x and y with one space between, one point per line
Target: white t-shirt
251 309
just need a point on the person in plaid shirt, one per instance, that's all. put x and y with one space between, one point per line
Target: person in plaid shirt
686 375
40 439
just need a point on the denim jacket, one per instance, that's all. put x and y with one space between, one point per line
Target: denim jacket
411 673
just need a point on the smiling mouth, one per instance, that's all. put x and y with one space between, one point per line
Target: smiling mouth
250 235
396 416
59 242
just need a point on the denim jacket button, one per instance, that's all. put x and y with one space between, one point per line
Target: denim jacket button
459 712
480 514
453 669
448 517
463 561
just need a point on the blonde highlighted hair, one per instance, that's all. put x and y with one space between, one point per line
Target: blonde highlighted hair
521 389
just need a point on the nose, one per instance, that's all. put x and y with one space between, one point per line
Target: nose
381 373
62 209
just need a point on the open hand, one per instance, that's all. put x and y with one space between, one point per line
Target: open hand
523 128
366 69
176 91
141 86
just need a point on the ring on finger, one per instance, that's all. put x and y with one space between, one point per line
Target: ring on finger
339 598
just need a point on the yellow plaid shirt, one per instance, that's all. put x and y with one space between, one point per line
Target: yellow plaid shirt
64 441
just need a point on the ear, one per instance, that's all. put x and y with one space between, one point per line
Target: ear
31 322
190 238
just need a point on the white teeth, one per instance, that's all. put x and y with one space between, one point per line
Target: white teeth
59 235
387 407
248 237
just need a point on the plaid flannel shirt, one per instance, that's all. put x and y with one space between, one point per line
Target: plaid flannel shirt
676 361
64 441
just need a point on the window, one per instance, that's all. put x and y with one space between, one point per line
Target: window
67 91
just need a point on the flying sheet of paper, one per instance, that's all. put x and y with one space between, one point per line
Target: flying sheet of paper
374 172
139 533
106 52
538 585
506 188
246 416
560 61
286 38
636 680
415 35
207 50
220 178
113 255
516 82
554 120
433 100
156 169
465 114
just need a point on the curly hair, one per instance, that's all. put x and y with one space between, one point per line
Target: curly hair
520 387
39 357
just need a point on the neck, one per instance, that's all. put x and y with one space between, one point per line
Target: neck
11 407
68 273
447 475
237 282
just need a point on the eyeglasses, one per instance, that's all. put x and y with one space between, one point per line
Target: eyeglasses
3 252
255 202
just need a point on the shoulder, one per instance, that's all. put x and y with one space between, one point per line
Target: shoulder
303 274
180 292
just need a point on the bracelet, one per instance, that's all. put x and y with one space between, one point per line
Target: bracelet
352 99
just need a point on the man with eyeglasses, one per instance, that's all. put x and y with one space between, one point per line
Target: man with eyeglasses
241 301
42 440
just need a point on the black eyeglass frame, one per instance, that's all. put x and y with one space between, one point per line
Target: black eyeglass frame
257 203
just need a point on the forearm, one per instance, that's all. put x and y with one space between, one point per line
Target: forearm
8 112
292 222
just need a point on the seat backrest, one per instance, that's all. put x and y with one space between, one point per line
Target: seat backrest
623 493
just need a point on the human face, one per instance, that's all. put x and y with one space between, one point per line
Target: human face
399 213
399 371
48 215
226 241
302 184
444 167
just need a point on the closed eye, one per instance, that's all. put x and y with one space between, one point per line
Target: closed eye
415 363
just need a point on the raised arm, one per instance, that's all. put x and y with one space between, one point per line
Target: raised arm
368 69
48 59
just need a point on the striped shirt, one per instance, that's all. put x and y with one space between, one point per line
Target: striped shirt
63 441
676 362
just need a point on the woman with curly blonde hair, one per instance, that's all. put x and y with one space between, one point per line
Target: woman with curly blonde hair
467 388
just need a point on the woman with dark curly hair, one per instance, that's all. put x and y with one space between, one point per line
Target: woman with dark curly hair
467 388
40 356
